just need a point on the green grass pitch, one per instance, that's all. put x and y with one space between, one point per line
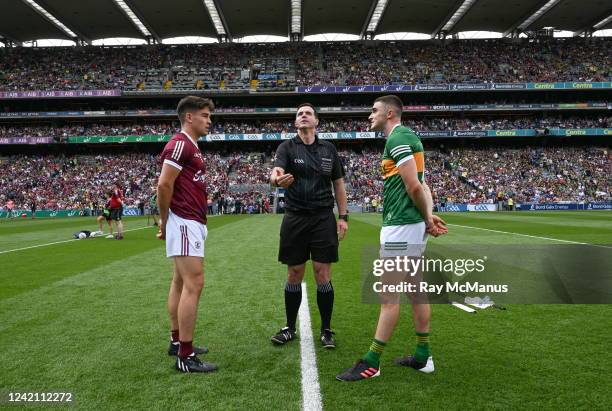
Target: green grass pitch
89 317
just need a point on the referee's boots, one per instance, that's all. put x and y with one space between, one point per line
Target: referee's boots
285 335
327 339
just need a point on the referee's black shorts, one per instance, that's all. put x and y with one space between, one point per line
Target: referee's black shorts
116 213
306 237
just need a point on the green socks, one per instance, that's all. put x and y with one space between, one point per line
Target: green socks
423 351
373 355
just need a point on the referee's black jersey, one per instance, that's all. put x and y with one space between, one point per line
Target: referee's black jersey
313 167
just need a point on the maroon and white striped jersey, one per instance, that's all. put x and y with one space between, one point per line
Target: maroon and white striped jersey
189 199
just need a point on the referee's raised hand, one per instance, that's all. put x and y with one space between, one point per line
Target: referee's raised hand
283 180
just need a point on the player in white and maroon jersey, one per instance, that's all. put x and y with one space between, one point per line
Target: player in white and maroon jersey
182 201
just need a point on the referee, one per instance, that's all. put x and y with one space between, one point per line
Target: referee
307 168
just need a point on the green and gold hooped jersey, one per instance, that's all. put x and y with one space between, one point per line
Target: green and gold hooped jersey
402 145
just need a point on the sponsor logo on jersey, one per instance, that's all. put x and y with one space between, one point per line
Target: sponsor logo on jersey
199 176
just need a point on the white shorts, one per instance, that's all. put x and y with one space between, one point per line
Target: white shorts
400 240
184 237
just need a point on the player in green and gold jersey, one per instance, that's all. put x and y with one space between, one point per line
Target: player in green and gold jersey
407 220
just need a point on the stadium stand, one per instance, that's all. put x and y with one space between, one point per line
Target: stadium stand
286 126
285 65
458 176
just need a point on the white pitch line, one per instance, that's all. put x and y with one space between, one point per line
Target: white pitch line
527 235
59 242
463 307
311 391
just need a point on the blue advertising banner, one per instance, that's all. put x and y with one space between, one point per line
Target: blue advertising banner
564 206
508 86
468 133
432 87
547 206
480 86
456 87
455 208
341 135
131 211
529 207
434 133
599 206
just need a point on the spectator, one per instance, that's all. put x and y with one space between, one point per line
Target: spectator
282 66
237 181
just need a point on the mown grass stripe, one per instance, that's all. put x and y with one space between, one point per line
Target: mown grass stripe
98 332
529 235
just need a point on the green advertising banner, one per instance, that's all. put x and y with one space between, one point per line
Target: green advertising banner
128 211
571 85
581 131
42 213
148 138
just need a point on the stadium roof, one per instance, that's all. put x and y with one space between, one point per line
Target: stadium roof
27 20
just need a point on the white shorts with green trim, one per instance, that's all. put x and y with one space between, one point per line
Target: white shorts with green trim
400 240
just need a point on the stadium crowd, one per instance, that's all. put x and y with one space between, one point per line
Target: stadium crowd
282 65
140 67
533 175
238 181
75 181
490 174
497 61
326 125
